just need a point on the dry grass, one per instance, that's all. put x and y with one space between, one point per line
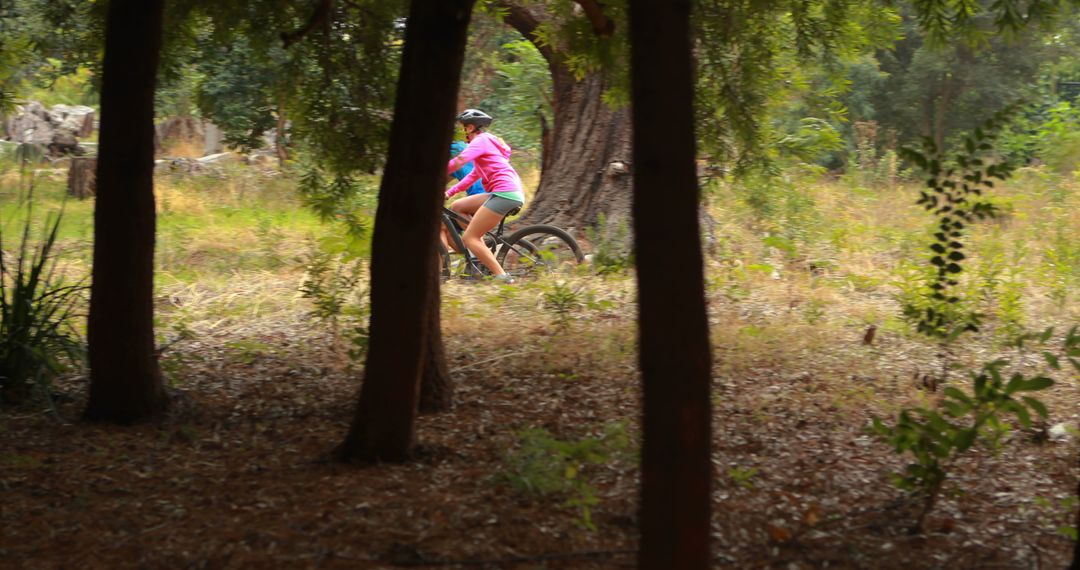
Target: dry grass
235 478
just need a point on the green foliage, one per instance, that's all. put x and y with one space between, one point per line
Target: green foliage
334 283
562 300
38 337
743 476
50 50
762 69
546 466
243 92
1060 513
954 197
506 75
335 85
344 198
612 251
781 205
812 142
934 436
1058 139
1061 267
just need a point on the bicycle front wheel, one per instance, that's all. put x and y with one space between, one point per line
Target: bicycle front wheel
539 250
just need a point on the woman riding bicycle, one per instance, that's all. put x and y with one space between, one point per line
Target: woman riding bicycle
490 156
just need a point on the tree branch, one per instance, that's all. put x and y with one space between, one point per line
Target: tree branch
318 18
594 11
522 20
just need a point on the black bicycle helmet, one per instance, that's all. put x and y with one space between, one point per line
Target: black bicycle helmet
474 117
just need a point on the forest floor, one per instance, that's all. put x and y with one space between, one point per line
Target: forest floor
238 475
535 465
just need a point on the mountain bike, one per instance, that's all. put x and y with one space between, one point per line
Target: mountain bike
528 252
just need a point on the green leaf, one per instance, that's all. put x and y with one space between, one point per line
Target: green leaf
1036 405
956 394
1037 383
1052 360
1021 414
964 439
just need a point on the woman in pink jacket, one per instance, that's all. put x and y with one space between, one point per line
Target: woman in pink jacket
490 156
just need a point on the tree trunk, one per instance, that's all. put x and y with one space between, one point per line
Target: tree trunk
279 133
1076 545
436 390
403 294
676 469
586 159
125 379
81 177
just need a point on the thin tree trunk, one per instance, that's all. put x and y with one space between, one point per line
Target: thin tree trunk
279 132
402 293
941 110
125 379
674 336
586 155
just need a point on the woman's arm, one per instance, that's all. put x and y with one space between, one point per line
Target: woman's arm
477 147
464 183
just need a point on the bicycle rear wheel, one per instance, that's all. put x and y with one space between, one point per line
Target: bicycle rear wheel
443 261
539 250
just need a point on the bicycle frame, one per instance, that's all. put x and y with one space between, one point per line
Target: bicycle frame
451 218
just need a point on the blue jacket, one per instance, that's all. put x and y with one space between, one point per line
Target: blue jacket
455 149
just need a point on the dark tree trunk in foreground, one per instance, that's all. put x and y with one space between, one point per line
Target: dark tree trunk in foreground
125 379
586 154
436 391
402 291
1076 545
674 335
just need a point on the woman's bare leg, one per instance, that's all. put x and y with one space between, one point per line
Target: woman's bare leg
444 237
469 204
483 221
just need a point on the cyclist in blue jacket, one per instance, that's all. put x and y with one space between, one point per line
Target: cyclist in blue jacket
455 149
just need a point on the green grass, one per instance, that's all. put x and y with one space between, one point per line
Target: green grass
838 251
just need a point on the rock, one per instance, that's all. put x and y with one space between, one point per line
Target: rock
215 139
180 136
1059 433
217 158
75 119
57 129
64 143
30 124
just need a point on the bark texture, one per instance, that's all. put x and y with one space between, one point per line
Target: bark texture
674 336
125 379
402 294
1076 545
586 154
436 389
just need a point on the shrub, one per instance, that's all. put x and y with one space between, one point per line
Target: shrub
37 336
612 251
546 466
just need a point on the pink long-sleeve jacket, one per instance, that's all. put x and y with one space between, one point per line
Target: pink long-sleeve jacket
490 156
